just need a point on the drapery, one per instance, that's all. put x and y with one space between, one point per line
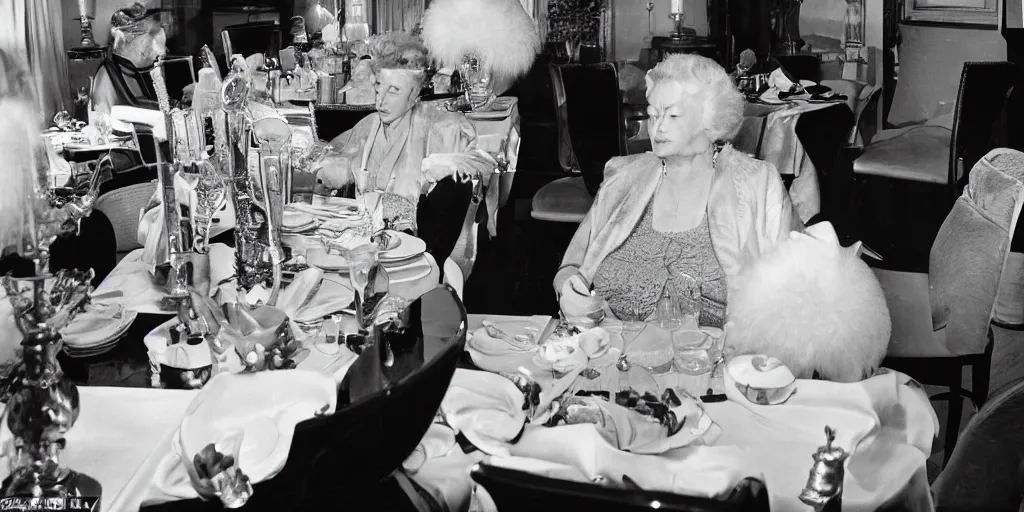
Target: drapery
539 11
31 30
392 15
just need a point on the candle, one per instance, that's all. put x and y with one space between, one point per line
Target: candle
83 8
677 6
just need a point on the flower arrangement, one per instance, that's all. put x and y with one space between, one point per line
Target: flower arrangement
575 20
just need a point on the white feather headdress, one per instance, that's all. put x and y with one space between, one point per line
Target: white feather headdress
499 32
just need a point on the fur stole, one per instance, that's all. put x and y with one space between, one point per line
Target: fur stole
814 305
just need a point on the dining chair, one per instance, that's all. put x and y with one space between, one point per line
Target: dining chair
985 471
591 131
862 99
122 207
248 38
910 177
344 461
942 319
518 490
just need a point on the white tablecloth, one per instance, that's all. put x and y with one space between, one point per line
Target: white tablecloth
886 421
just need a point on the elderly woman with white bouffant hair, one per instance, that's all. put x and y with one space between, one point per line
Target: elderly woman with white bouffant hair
691 213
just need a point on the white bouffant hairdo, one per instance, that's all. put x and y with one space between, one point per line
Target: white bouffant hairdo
723 102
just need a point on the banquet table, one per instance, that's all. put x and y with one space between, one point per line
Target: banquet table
773 443
886 471
130 285
801 139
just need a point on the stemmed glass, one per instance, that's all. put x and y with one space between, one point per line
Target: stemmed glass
632 324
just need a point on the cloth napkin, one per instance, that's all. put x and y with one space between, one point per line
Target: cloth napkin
229 403
116 431
631 431
132 279
151 221
486 408
856 411
693 470
497 356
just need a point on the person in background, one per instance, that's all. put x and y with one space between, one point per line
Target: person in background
416 159
694 207
138 39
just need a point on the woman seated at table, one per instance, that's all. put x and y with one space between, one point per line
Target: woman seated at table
138 40
417 158
690 214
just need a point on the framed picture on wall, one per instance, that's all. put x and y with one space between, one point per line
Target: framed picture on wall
952 12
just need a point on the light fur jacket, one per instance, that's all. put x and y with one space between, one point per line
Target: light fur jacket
749 212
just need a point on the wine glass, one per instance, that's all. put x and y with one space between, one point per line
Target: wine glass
633 323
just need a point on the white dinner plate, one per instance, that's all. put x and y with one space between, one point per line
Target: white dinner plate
293 219
408 248
319 257
408 273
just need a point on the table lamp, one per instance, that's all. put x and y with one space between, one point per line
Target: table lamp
86 8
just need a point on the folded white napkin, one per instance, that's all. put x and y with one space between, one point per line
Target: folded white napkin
231 403
116 431
486 408
151 222
132 279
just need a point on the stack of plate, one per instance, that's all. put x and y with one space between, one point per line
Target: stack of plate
404 259
96 330
298 222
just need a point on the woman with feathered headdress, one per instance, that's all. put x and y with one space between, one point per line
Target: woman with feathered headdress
407 149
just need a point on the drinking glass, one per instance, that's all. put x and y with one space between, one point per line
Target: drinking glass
363 268
632 324
690 352
668 312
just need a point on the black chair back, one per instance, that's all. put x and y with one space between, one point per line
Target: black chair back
986 471
121 178
979 103
120 70
383 412
440 216
249 38
517 490
597 128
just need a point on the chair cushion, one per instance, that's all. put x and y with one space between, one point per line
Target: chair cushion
918 154
1009 308
562 200
906 294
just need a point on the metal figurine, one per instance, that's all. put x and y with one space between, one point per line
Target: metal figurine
257 192
824 489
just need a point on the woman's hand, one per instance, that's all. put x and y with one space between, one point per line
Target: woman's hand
333 172
577 301
437 167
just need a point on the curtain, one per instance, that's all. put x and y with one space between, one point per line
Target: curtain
31 30
392 15
540 16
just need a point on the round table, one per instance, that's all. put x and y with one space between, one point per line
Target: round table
130 285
